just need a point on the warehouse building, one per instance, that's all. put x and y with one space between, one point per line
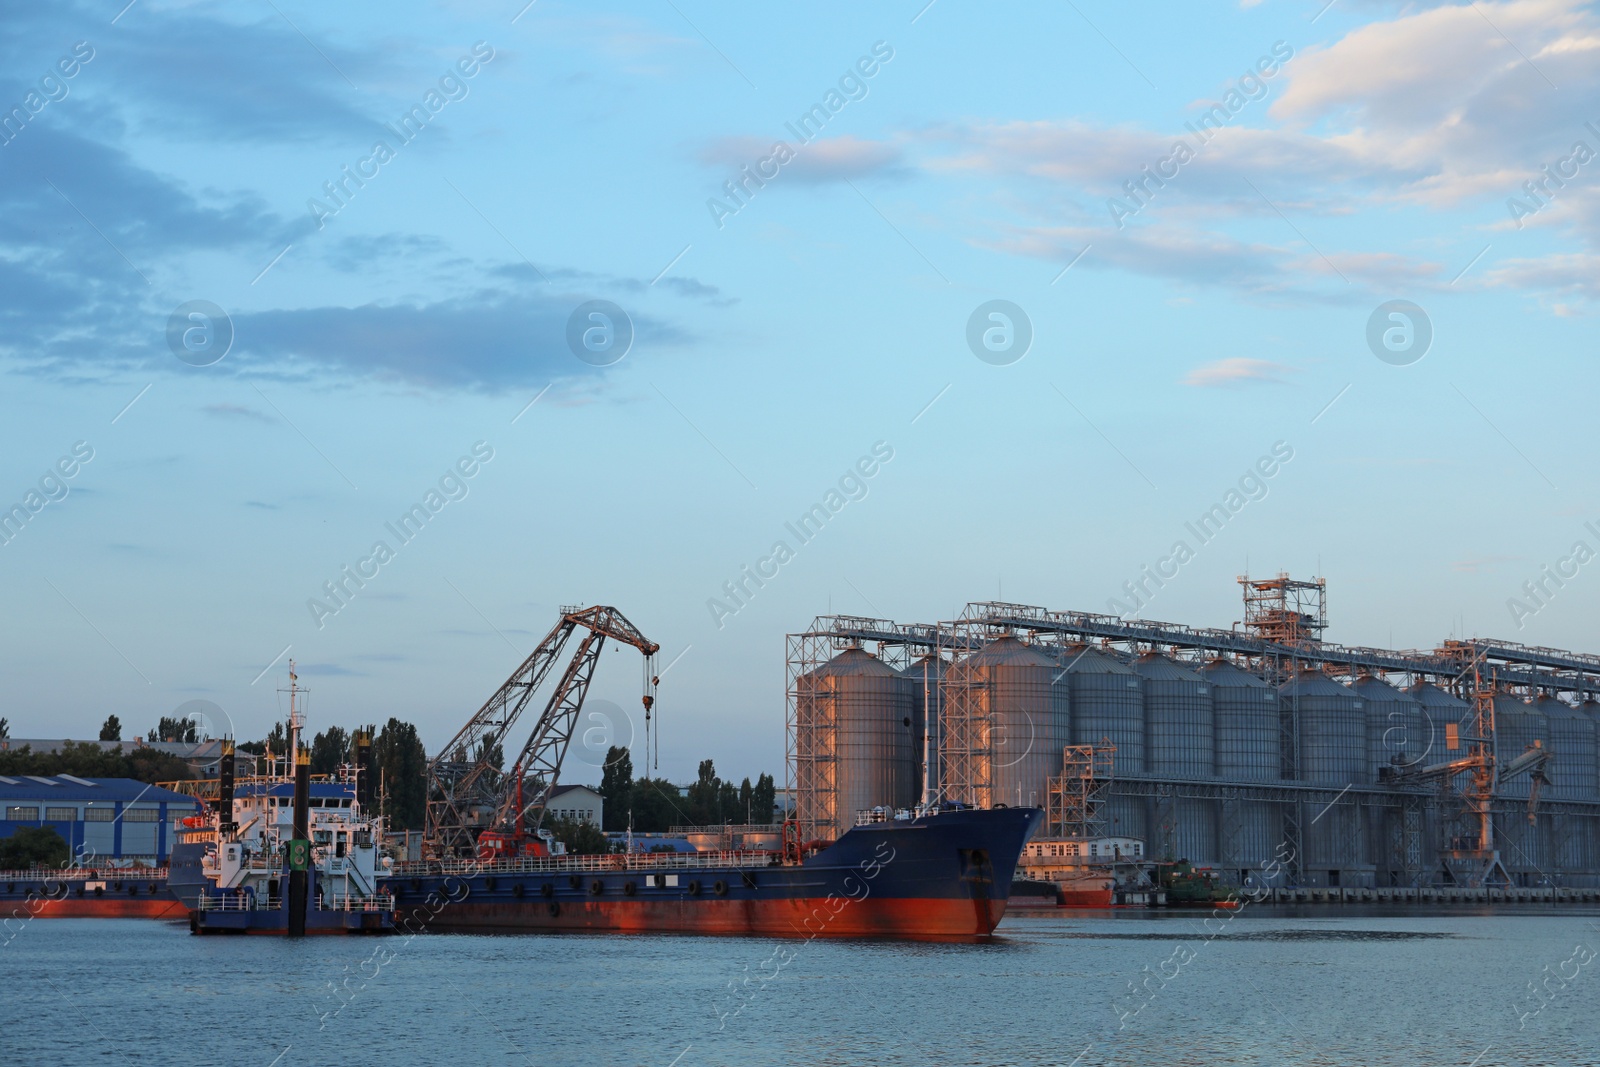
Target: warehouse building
104 820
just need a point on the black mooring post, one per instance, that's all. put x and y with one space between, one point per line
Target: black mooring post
300 846
225 775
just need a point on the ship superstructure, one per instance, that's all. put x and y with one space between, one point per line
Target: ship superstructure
282 853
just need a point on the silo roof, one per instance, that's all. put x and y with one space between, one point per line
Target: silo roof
856 662
1082 659
1371 687
1431 695
1155 665
1222 672
1315 684
1009 652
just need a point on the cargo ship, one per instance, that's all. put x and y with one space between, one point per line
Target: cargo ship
942 872
88 893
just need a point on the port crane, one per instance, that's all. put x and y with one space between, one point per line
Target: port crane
477 808
1478 863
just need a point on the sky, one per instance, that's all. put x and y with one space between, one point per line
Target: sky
617 294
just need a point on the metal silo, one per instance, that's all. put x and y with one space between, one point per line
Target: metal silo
1332 729
1107 702
1397 733
1571 732
1027 709
854 734
1245 712
924 677
1179 729
1591 708
1517 725
1441 709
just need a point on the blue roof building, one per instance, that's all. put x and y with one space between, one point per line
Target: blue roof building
101 819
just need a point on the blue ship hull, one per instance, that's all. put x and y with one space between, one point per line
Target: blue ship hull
941 876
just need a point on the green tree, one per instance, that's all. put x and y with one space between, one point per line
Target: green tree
329 749
5 729
616 786
728 806
33 846
111 729
276 741
170 729
581 838
400 763
703 800
657 806
91 761
490 751
747 809
763 800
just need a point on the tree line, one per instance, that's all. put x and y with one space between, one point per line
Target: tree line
399 769
656 805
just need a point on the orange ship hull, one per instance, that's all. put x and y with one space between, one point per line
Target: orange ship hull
163 907
792 917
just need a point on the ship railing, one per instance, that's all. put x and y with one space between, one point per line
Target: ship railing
376 902
618 861
238 902
94 874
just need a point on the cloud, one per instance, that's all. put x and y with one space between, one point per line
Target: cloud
1433 108
235 411
819 161
491 341
1236 370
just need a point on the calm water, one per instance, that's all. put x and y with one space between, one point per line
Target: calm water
1272 987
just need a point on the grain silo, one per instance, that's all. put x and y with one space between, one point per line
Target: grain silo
1245 710
1397 734
1572 740
1331 724
853 739
924 677
1019 690
1179 729
1108 705
1517 725
1332 729
1441 710
1591 708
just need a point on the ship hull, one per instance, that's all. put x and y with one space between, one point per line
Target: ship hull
945 876
234 912
78 895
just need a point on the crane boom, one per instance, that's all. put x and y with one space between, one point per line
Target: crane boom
467 787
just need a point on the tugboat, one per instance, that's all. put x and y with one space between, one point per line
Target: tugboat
279 854
1189 886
